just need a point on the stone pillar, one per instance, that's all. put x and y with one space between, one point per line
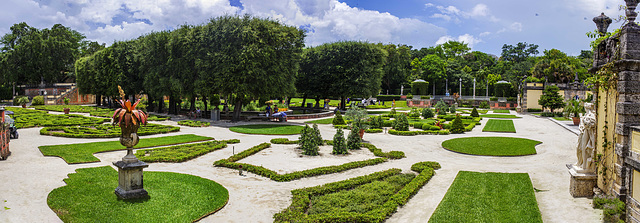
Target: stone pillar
130 182
582 183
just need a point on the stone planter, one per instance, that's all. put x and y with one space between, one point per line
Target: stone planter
66 111
24 105
576 120
130 169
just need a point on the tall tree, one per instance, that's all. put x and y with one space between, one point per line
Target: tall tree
519 52
397 69
431 68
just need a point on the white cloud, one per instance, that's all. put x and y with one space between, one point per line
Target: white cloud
514 27
466 38
485 34
451 13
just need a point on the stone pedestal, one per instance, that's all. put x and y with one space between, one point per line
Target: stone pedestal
130 180
582 183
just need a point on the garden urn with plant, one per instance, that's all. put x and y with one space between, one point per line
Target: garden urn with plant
573 109
130 181
22 101
66 106
357 119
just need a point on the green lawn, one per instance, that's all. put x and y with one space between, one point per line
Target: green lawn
88 197
496 125
181 153
562 119
104 130
72 108
501 111
499 116
321 121
83 152
268 129
492 146
489 197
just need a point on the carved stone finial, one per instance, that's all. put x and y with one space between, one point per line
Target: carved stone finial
631 10
602 23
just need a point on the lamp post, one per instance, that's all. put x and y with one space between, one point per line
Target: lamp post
474 88
446 86
460 86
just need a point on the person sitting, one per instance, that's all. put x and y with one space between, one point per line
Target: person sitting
198 113
268 110
282 116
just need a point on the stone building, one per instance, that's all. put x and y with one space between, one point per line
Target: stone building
617 64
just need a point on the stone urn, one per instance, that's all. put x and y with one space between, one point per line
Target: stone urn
576 120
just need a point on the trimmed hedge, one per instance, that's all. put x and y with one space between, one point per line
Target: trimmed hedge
104 131
194 123
423 132
301 200
26 118
373 130
259 170
419 167
181 153
388 97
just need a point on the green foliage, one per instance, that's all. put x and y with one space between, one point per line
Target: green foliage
550 98
316 136
378 152
457 127
613 209
401 123
26 118
492 146
373 131
427 113
419 167
283 141
339 143
75 108
534 110
267 129
199 197
414 113
489 197
392 112
484 104
83 152
501 111
474 113
338 120
452 109
37 100
495 125
424 132
307 141
357 118
419 87
194 123
22 100
377 122
181 153
354 140
573 108
499 116
104 130
351 200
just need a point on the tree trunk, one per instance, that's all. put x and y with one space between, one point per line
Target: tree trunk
288 101
161 104
342 103
204 100
237 110
193 103
304 99
151 106
317 101
172 104
98 100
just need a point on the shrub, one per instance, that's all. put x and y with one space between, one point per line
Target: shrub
409 96
613 209
194 123
474 113
392 113
414 113
308 142
434 128
401 123
283 141
452 109
424 132
427 113
419 88
315 135
493 98
425 97
377 122
353 141
338 120
38 100
21 101
419 167
456 126
484 104
418 125
339 144
511 99
373 130
534 110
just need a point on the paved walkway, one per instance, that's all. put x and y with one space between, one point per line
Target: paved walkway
27 176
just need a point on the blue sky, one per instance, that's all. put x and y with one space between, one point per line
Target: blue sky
484 25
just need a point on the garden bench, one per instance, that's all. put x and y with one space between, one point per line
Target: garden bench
262 117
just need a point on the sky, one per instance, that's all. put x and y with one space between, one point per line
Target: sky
485 25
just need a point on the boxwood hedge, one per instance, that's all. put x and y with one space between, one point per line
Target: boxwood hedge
104 130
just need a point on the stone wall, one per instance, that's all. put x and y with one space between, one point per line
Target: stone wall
4 137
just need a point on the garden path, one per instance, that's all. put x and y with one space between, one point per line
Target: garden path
27 176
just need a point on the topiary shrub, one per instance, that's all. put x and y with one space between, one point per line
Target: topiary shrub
474 113
37 100
427 113
376 122
315 135
392 113
457 127
353 141
414 113
409 96
401 123
419 167
307 142
452 109
484 104
339 143
338 120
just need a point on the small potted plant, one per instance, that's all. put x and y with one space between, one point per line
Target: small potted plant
357 118
23 101
573 110
66 106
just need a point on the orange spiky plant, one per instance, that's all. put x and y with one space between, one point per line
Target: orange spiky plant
128 114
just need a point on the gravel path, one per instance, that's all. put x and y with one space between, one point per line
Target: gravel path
27 176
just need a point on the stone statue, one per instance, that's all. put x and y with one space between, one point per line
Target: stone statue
586 141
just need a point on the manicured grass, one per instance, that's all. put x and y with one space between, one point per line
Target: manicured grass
489 197
88 197
501 111
321 121
104 130
562 119
492 146
181 153
26 118
499 116
83 152
72 108
495 125
268 129
194 123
